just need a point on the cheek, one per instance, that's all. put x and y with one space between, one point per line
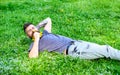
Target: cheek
29 34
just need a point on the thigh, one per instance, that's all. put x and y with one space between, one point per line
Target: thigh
87 50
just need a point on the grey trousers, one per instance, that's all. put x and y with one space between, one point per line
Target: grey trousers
88 50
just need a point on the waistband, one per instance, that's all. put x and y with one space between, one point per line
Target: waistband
71 43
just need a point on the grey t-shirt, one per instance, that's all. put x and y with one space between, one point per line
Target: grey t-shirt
52 42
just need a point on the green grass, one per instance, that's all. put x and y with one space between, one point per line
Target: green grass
91 20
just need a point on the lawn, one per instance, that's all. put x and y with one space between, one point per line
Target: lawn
90 20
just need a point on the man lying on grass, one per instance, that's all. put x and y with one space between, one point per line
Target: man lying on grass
51 42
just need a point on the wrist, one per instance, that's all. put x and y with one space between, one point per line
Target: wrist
37 39
42 24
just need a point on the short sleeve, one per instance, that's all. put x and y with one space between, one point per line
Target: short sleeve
45 32
30 47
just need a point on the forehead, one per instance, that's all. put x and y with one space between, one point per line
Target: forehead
29 27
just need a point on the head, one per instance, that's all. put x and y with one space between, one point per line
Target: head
29 29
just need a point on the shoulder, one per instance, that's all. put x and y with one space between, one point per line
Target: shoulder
45 32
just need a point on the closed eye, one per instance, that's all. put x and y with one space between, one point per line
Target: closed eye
29 30
33 28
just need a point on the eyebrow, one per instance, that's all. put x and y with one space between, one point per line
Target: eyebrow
29 29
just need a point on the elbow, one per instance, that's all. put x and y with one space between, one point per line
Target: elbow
32 56
49 18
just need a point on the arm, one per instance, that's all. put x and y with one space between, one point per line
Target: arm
46 24
34 51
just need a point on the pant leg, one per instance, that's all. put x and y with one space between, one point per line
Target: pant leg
113 53
88 50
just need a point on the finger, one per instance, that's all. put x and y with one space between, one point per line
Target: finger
35 31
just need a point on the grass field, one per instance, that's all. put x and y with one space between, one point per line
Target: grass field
91 20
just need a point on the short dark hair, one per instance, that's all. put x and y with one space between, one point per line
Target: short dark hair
26 25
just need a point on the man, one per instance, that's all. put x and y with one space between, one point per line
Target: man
61 44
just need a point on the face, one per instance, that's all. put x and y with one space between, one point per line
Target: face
30 29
